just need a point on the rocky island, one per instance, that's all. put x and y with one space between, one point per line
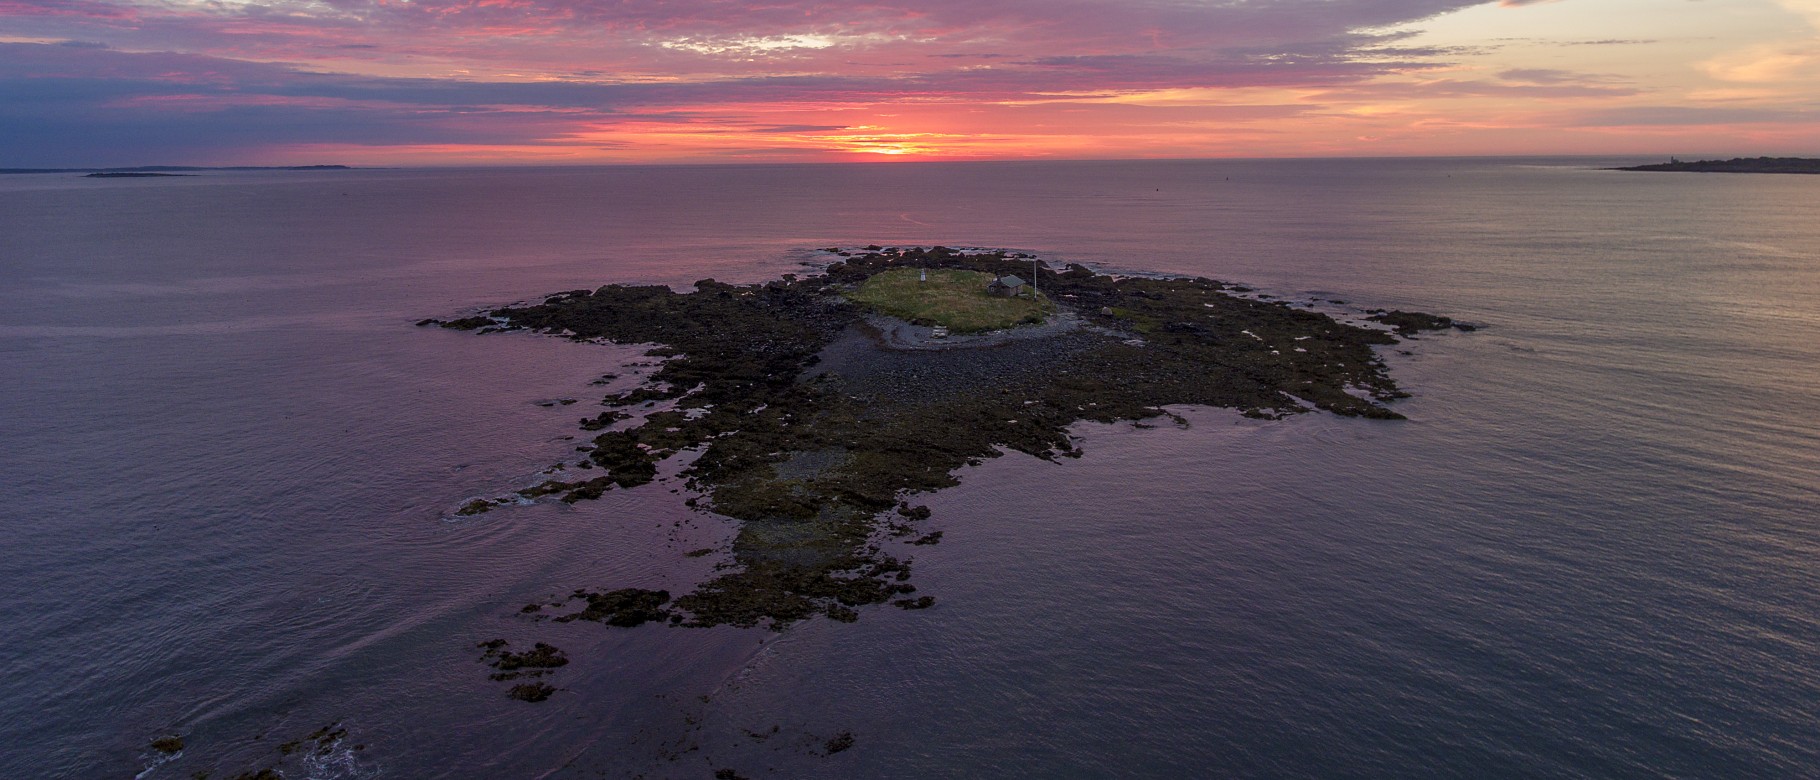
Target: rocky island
1736 165
822 405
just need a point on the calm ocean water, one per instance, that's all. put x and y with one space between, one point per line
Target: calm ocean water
226 462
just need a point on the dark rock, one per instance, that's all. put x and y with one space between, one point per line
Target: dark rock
324 739
540 656
626 607
1407 322
531 691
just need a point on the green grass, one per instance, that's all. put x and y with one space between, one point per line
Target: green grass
956 299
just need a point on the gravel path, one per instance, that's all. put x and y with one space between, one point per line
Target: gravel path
894 333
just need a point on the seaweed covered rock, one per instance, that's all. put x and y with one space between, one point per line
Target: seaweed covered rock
1407 322
540 660
626 607
531 692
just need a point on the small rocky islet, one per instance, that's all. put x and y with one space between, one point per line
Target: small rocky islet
816 433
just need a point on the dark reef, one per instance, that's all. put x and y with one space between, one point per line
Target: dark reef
323 739
536 662
811 430
1410 322
297 753
531 692
1735 165
838 743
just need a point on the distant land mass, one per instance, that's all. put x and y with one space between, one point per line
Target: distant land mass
156 169
131 174
1737 165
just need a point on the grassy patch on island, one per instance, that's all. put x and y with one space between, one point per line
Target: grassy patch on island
951 297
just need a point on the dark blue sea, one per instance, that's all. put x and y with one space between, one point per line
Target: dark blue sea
229 465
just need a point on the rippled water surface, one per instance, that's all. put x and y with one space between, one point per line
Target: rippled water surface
227 462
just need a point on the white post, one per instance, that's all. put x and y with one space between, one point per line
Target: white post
1033 266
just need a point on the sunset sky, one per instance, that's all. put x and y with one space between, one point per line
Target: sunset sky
443 82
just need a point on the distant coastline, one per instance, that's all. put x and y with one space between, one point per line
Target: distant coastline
177 169
1735 165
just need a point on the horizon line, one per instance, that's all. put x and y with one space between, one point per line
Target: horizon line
305 167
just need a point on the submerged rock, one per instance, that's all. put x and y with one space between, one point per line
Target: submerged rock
531 692
320 741
540 660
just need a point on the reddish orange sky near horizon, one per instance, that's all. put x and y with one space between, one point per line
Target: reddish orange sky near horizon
444 82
